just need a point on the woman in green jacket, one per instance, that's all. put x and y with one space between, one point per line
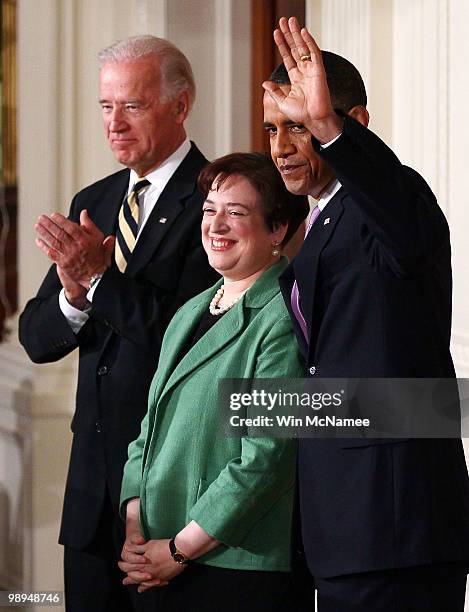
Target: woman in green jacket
208 518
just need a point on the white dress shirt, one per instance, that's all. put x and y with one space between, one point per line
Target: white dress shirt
331 190
328 194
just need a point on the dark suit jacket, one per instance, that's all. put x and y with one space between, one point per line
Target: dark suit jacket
374 276
119 344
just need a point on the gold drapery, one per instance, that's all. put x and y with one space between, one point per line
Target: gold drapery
8 172
8 78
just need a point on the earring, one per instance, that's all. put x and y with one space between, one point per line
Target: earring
275 249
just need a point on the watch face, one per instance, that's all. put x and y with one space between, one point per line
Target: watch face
179 558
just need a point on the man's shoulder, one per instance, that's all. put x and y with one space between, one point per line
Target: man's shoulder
191 165
420 183
121 177
196 156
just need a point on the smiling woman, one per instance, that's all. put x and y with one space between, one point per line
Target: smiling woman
248 216
235 235
209 518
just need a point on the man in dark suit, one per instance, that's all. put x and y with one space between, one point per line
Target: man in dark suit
112 297
385 523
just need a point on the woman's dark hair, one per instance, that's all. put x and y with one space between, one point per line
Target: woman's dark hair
279 206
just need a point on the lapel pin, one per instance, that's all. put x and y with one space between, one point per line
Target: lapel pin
162 220
326 221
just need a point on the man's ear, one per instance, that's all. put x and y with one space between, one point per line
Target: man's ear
181 107
360 114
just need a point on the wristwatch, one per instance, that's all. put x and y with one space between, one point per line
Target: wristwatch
178 555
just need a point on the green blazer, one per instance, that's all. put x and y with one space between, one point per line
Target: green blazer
239 490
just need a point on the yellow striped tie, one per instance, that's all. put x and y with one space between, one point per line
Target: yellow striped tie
127 229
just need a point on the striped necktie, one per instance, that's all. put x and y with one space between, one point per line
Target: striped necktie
127 230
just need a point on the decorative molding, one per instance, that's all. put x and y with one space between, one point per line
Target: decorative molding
36 403
241 78
66 174
421 90
345 29
16 492
32 390
151 17
38 111
16 489
223 89
443 120
313 19
460 337
460 353
458 183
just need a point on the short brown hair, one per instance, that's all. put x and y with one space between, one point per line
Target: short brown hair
279 206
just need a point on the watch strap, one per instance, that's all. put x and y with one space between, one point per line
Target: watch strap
177 554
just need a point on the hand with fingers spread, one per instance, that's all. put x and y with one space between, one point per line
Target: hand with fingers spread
308 101
78 250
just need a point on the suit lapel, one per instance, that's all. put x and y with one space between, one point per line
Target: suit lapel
106 213
167 209
305 265
170 372
170 356
210 344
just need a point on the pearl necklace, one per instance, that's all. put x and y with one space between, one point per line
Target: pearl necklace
214 309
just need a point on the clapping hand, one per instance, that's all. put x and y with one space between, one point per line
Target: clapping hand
308 101
79 250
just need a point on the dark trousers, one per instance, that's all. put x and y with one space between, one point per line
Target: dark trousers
202 588
93 584
93 580
432 588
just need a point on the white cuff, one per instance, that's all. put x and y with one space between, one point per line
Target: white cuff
90 294
76 318
327 144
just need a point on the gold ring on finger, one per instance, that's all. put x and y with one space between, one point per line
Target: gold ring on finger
305 58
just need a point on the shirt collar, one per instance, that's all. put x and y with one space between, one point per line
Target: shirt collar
163 173
328 194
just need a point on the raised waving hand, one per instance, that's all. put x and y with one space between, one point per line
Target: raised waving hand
308 101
